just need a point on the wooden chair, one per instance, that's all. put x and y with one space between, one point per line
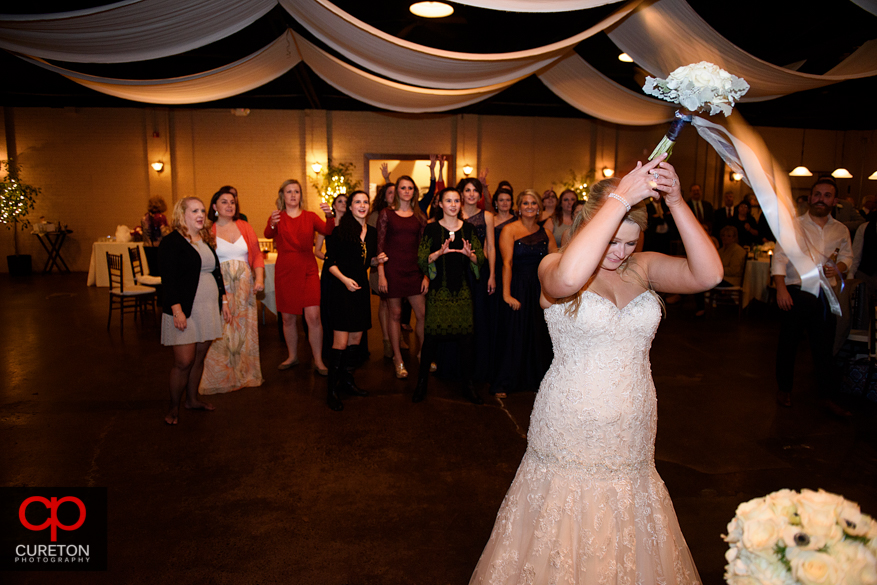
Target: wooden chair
137 269
726 295
131 299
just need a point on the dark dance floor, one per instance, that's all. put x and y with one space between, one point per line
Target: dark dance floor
274 487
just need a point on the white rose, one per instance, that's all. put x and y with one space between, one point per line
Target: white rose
735 532
814 568
756 509
860 564
818 512
762 534
852 520
783 504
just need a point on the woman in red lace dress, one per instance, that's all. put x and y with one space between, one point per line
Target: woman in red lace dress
297 282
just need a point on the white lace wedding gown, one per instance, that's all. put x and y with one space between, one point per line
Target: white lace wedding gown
587 505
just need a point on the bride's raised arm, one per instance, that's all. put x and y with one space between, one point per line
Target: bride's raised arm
564 274
701 269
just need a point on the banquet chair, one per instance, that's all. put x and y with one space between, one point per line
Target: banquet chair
128 299
726 295
137 269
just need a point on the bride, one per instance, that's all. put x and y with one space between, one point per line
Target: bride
587 505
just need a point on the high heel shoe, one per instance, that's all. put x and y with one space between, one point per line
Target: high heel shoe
420 390
401 372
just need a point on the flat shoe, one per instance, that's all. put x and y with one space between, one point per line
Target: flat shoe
291 364
323 372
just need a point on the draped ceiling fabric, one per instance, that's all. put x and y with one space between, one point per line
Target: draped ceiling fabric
385 94
588 90
668 34
537 5
869 5
128 31
250 72
415 64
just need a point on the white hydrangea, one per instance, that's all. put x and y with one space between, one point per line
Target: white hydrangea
699 87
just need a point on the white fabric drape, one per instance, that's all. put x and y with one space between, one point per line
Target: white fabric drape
128 31
388 95
588 90
250 72
536 5
668 34
869 5
745 152
415 64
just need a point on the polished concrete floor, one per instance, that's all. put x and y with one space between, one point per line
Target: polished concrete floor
273 487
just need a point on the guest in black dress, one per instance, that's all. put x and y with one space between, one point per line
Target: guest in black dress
747 228
525 348
503 202
350 250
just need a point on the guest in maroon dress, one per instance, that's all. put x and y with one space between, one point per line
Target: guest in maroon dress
297 283
399 277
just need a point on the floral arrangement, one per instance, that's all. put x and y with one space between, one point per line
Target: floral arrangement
580 184
697 88
17 199
334 180
807 538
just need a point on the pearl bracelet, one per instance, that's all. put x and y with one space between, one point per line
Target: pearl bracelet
620 198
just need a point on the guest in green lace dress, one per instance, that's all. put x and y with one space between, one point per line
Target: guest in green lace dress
448 249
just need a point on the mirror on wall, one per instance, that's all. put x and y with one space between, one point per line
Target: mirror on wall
414 165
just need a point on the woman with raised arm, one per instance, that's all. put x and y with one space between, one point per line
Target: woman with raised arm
449 251
399 231
338 206
586 502
524 350
296 277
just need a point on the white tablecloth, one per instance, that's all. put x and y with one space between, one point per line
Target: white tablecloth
268 298
97 270
756 278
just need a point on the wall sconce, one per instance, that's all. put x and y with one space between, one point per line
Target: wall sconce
607 172
157 166
467 169
735 177
316 167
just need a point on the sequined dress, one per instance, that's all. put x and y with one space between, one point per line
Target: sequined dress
587 505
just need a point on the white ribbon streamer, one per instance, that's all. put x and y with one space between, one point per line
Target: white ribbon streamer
771 186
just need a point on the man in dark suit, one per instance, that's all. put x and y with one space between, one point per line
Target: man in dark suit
724 215
703 210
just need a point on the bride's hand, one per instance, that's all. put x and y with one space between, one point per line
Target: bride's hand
640 183
668 184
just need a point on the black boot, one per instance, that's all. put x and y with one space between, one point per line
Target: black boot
336 372
471 393
347 383
422 381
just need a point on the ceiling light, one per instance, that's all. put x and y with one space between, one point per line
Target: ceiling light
873 176
625 58
431 9
841 173
801 171
158 166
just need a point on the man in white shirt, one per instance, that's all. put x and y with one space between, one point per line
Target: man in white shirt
827 241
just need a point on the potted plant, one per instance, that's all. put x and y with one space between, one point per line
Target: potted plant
335 180
16 201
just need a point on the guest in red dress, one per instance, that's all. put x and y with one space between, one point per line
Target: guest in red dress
399 277
297 282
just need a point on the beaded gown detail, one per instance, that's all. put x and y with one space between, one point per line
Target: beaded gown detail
586 504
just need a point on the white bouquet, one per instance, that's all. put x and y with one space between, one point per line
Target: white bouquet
807 538
699 87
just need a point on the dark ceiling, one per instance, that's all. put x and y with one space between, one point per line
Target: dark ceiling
821 33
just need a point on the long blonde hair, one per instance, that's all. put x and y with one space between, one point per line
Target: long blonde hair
637 215
281 202
178 221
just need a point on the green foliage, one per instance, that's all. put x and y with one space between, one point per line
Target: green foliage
780 550
17 199
334 180
580 184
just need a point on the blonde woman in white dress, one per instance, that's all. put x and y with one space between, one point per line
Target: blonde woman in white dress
587 505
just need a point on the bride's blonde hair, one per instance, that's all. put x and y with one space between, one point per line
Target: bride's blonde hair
596 199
